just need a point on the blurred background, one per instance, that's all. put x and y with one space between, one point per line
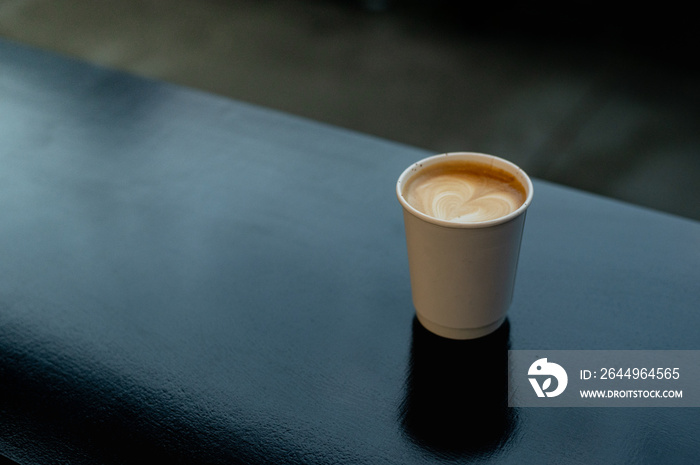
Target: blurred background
591 96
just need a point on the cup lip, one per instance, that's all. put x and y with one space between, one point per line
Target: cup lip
489 160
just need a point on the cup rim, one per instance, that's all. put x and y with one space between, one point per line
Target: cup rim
489 160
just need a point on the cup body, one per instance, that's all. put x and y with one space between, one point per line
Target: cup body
463 274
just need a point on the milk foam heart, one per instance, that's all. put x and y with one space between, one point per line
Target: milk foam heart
464 192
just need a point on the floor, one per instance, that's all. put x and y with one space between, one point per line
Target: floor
610 111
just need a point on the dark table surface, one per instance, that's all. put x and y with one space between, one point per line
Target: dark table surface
190 279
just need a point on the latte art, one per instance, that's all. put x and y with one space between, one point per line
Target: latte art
464 192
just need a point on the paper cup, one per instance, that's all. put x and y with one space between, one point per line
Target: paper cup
463 274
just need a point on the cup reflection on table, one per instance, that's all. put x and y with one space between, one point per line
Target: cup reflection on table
456 394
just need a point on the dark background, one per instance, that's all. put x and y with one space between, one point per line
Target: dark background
600 97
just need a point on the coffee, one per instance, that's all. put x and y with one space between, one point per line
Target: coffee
463 191
464 214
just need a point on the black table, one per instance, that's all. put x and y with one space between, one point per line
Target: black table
190 279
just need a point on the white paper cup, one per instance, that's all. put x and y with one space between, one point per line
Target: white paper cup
463 274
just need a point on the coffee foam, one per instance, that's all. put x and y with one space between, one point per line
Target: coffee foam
464 192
